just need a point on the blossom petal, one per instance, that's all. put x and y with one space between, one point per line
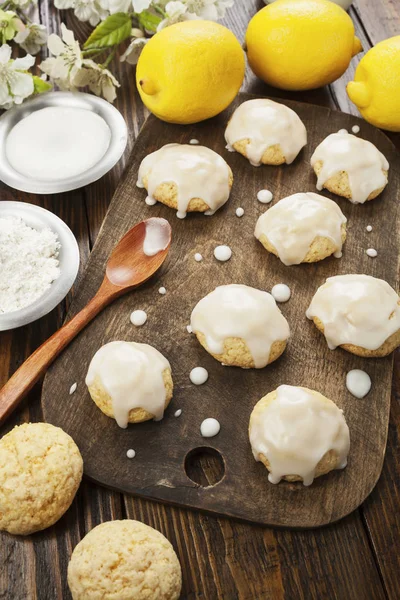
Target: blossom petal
55 44
23 64
21 84
67 35
140 5
4 95
64 4
5 53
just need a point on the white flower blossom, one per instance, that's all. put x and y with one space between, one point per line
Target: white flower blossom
99 80
15 83
67 60
32 38
176 12
93 11
140 5
132 53
211 10
25 3
116 6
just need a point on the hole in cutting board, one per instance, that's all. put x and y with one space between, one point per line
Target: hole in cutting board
205 466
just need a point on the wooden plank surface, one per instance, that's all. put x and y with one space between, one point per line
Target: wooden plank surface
356 559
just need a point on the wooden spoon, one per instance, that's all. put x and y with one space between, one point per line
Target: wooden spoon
138 255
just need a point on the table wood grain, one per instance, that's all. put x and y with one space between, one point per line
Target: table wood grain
222 559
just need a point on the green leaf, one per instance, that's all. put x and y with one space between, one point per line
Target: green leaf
149 20
111 32
40 86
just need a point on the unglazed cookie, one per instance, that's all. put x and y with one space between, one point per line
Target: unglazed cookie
298 434
266 132
124 560
351 167
130 382
302 228
359 313
186 177
240 326
40 472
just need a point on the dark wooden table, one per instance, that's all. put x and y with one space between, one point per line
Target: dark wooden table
358 558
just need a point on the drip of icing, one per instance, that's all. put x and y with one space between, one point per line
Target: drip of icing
178 412
356 309
72 389
369 228
264 196
162 291
194 141
138 318
295 430
355 129
150 201
240 311
210 427
361 160
132 375
281 292
131 453
343 131
198 257
197 171
198 375
293 223
239 212
266 123
371 252
222 253
157 236
358 383
189 329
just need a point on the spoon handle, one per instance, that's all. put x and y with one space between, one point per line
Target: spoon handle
35 366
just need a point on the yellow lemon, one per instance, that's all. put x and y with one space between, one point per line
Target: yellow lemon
301 44
190 71
376 86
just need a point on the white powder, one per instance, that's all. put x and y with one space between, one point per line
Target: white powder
28 263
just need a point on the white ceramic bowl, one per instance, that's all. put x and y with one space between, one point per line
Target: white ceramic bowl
39 218
113 118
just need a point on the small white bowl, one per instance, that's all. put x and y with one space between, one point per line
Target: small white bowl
108 112
39 218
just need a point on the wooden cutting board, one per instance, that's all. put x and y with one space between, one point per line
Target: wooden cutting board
165 449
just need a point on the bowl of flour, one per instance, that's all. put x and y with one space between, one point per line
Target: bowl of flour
39 262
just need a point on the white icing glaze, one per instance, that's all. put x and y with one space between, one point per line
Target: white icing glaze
264 196
266 123
198 375
138 318
355 129
162 291
198 257
197 171
157 236
132 375
243 312
222 253
294 222
239 211
178 412
361 160
295 431
356 309
130 453
150 201
281 292
189 329
343 131
72 389
358 383
371 252
210 427
369 228
194 141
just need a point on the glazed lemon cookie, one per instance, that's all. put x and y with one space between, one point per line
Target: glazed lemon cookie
351 167
124 560
266 132
186 177
130 382
302 228
40 472
240 326
359 313
298 434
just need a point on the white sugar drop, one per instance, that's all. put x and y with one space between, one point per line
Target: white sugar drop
343 131
138 318
189 329
198 375
222 253
210 427
181 215
264 196
198 257
72 389
194 141
372 252
131 453
239 212
162 291
178 412
369 228
355 129
281 292
150 201
358 383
